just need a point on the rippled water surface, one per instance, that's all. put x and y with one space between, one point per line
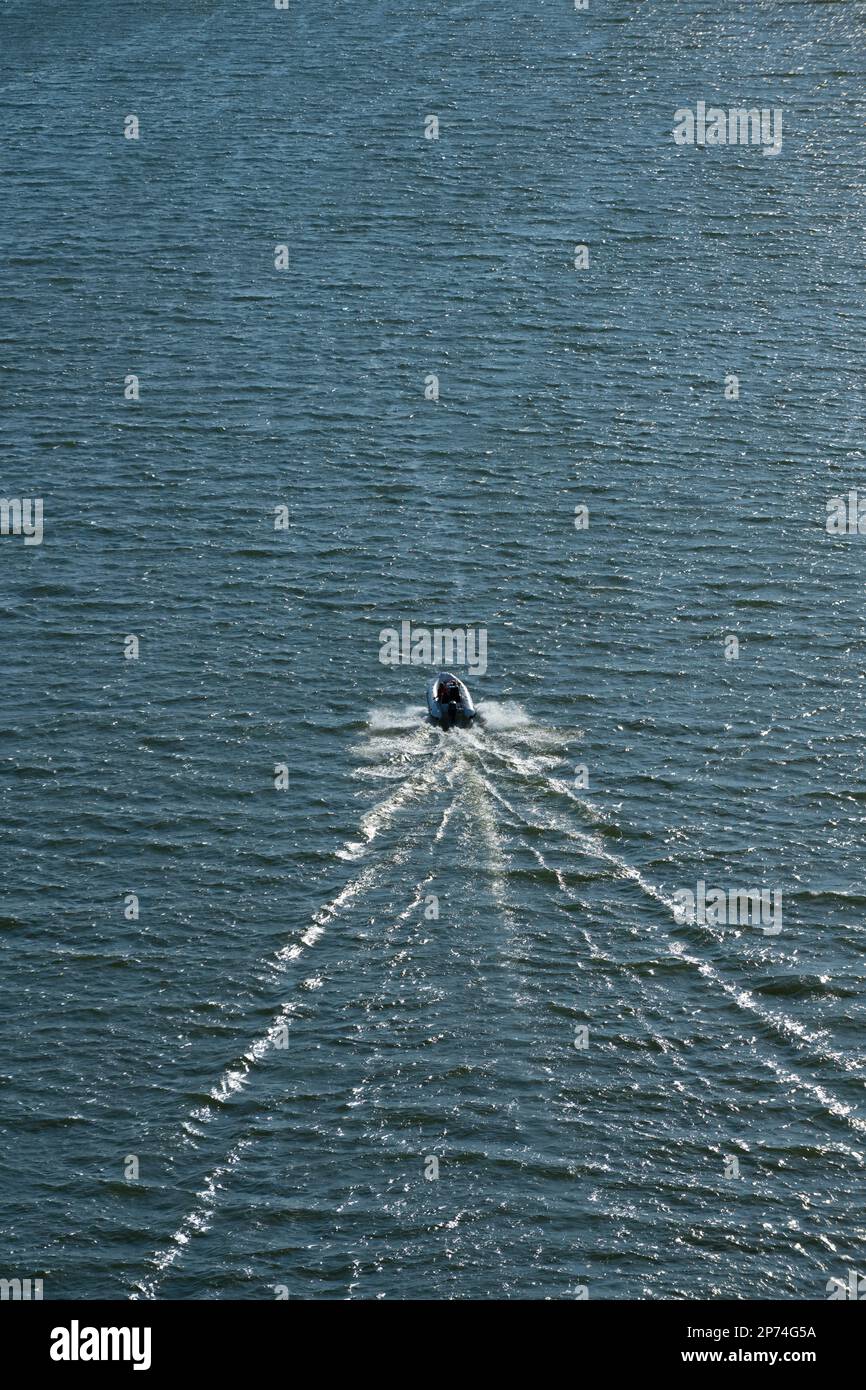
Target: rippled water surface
288 1033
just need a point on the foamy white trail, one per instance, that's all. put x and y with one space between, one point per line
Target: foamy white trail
786 1027
236 1077
452 761
536 765
359 1092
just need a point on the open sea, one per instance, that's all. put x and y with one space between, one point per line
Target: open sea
428 1022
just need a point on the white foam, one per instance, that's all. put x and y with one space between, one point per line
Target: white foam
507 714
195 1222
237 1076
390 718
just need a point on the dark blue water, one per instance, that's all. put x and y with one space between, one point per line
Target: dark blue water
285 1036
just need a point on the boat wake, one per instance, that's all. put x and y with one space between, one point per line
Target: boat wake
505 782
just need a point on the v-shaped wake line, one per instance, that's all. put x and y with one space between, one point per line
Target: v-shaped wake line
463 761
492 841
235 1079
527 768
196 1222
590 843
786 1028
359 1091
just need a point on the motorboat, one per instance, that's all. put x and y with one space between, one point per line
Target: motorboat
449 702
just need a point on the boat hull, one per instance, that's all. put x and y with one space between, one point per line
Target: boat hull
451 714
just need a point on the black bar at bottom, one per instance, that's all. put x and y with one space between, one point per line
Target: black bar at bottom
224 1337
